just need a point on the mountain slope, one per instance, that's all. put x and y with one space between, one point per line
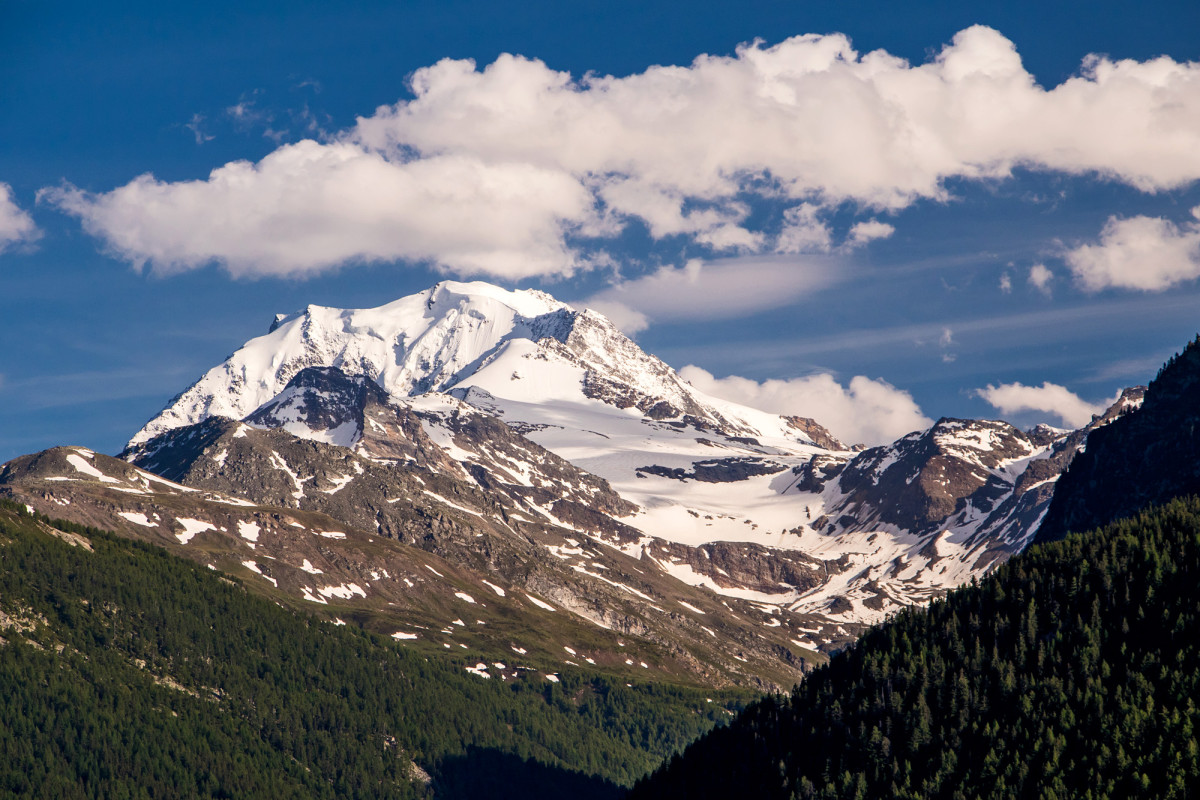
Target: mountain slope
1149 455
446 566
1069 672
128 672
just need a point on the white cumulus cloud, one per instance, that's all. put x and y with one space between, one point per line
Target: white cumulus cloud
1049 398
803 231
1146 253
1040 277
309 206
16 226
504 170
719 289
864 411
868 231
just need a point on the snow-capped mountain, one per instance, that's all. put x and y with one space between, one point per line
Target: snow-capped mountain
517 345
882 528
524 440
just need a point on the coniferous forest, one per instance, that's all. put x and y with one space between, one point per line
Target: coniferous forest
126 672
1071 672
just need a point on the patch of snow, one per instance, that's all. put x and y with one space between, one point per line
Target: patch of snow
81 465
539 603
249 531
620 586
479 669
345 591
229 501
191 527
310 597
253 567
281 465
137 518
339 482
690 607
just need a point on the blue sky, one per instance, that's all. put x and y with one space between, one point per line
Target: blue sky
869 238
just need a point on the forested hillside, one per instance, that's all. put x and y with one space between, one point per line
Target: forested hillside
1147 456
1071 672
127 672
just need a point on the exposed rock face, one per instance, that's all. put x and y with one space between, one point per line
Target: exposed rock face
819 435
986 479
743 565
720 470
323 402
928 476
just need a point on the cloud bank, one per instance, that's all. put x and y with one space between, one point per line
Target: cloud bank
1049 398
16 226
865 411
517 170
1145 253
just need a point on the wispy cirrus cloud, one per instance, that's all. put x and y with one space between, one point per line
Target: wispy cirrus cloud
518 170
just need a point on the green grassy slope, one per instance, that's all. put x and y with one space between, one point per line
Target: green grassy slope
127 672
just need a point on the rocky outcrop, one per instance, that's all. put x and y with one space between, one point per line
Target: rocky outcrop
719 470
922 480
818 433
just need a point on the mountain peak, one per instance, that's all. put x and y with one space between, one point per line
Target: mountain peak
423 342
523 345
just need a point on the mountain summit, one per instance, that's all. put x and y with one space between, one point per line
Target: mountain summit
519 345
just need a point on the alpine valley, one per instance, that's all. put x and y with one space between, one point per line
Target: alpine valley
497 477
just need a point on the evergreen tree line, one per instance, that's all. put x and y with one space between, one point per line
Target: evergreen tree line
1073 671
145 676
